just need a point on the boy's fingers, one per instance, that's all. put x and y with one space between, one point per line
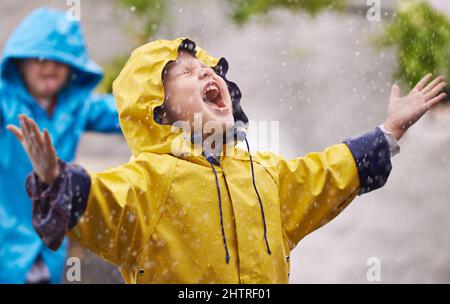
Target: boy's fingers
28 133
16 131
423 82
24 129
27 142
35 131
435 91
30 138
395 91
432 84
435 100
48 142
49 146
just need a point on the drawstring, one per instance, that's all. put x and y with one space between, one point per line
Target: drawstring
211 160
259 198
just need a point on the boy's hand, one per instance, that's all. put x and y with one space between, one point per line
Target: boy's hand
39 148
403 112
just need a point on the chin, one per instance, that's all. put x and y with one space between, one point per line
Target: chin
44 90
212 123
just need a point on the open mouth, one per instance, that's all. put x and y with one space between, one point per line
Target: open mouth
50 81
212 96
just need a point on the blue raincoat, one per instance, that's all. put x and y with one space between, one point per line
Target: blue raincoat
46 34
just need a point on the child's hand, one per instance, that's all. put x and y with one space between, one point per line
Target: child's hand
39 148
403 112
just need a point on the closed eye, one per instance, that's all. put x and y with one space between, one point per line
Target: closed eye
186 71
206 66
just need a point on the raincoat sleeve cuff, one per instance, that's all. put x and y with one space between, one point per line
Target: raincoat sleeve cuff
394 147
59 207
372 156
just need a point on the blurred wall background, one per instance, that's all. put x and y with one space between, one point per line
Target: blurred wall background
324 81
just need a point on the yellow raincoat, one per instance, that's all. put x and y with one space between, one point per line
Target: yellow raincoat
157 217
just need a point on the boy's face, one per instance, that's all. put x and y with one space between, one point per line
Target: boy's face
44 78
193 87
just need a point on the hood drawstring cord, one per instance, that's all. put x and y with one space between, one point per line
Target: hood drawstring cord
259 199
211 161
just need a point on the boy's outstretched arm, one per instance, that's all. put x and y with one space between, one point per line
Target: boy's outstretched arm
110 212
315 188
51 222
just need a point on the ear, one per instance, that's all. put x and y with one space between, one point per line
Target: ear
161 116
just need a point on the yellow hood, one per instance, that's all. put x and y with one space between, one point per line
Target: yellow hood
139 90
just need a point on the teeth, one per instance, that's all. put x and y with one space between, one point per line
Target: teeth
210 96
210 88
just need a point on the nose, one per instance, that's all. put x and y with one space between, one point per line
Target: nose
49 66
205 72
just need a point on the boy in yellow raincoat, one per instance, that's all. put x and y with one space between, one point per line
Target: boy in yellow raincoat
184 211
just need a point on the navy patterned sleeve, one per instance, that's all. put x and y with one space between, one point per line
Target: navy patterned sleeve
59 207
372 157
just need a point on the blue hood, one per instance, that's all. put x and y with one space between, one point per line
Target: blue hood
48 34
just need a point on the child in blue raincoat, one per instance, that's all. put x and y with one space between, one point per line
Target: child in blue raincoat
46 74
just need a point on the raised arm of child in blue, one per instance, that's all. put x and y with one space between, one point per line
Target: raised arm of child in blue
197 206
46 74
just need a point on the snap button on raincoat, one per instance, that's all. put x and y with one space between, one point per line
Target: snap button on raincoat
157 217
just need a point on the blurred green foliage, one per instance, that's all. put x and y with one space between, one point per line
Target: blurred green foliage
111 71
150 14
242 10
422 38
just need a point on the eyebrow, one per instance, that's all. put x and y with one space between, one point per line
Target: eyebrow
176 66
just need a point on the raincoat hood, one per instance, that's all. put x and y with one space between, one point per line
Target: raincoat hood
48 34
139 90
